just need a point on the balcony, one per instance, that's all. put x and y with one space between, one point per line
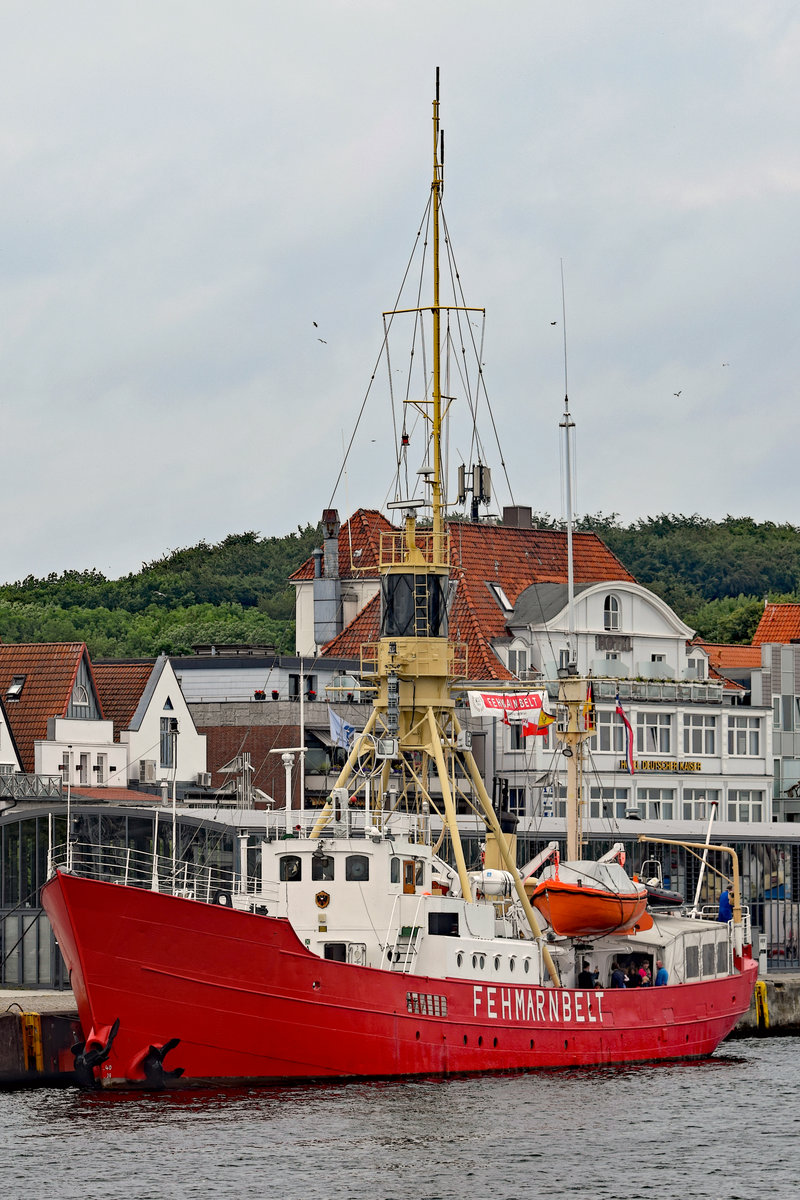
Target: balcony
660 691
31 787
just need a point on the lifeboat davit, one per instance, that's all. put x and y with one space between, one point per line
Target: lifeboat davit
579 899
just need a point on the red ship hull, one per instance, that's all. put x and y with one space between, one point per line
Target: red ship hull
249 1002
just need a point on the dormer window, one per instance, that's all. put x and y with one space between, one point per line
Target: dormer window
80 696
14 690
611 614
518 662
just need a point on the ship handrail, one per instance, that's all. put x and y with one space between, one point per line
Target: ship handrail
144 869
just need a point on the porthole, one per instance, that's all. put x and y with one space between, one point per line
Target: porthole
465 1039
531 1043
497 962
494 1043
474 960
511 963
480 1041
527 965
459 959
482 961
417 1035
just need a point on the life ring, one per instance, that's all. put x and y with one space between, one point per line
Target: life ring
223 898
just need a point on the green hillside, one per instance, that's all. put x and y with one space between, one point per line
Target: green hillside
715 574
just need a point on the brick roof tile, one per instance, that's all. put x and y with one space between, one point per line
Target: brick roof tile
50 670
120 687
779 623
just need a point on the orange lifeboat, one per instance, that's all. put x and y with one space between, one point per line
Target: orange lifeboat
580 899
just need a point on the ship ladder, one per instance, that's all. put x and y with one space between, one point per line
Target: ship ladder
420 606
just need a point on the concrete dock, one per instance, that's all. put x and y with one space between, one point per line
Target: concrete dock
39 1028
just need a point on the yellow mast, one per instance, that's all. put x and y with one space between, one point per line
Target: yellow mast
414 663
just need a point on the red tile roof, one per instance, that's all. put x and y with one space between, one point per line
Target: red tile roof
359 546
728 657
120 687
779 623
50 670
482 554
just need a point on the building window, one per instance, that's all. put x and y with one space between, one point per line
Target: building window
169 727
697 803
563 659
516 740
697 667
787 713
83 769
14 690
102 768
80 696
608 802
658 658
518 662
656 804
610 735
501 598
744 736
653 733
745 804
516 800
611 620
776 712
699 733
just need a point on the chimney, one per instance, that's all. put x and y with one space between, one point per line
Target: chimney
518 516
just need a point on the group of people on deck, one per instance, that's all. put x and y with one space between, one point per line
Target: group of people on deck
636 973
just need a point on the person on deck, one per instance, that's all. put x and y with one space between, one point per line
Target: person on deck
725 910
662 975
587 977
618 977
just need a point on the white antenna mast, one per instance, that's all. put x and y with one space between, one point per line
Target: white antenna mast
568 425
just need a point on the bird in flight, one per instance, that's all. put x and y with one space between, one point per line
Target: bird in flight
314 323
677 393
554 322
323 341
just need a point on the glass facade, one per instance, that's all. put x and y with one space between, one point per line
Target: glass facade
29 957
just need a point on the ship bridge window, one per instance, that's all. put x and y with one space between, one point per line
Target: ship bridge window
709 958
336 951
692 962
321 866
291 869
443 924
356 867
395 870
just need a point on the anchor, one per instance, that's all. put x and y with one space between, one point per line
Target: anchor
87 1060
153 1065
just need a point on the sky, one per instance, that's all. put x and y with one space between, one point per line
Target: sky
188 186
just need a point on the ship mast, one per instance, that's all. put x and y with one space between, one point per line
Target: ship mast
413 732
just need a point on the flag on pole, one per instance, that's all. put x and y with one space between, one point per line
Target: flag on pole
628 735
341 732
589 715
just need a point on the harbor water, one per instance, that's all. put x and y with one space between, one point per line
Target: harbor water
723 1129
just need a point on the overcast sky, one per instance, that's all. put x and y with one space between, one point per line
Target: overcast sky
188 185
